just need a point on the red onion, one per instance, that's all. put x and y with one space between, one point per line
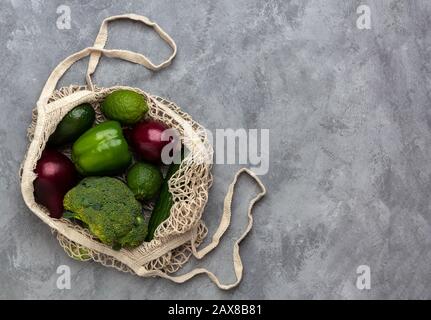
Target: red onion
146 138
56 175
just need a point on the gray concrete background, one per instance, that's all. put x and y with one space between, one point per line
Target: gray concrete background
350 141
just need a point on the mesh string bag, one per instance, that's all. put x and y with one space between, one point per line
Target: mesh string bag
179 236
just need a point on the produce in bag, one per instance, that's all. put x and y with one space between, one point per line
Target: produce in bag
176 237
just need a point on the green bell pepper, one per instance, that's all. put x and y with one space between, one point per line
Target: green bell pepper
101 150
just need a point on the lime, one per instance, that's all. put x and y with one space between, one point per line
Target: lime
125 106
144 180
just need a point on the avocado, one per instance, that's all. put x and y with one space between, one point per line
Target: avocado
75 123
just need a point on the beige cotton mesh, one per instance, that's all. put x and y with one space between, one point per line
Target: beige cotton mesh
177 238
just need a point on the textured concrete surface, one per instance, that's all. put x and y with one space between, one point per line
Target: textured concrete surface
350 142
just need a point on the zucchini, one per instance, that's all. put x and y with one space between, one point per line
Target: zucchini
162 208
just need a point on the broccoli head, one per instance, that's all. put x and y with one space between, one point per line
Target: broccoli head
109 209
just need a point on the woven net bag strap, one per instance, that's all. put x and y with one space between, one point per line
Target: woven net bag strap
98 49
102 38
224 224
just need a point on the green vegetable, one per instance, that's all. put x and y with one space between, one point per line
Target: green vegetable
162 208
144 180
102 150
78 253
125 106
109 209
74 123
